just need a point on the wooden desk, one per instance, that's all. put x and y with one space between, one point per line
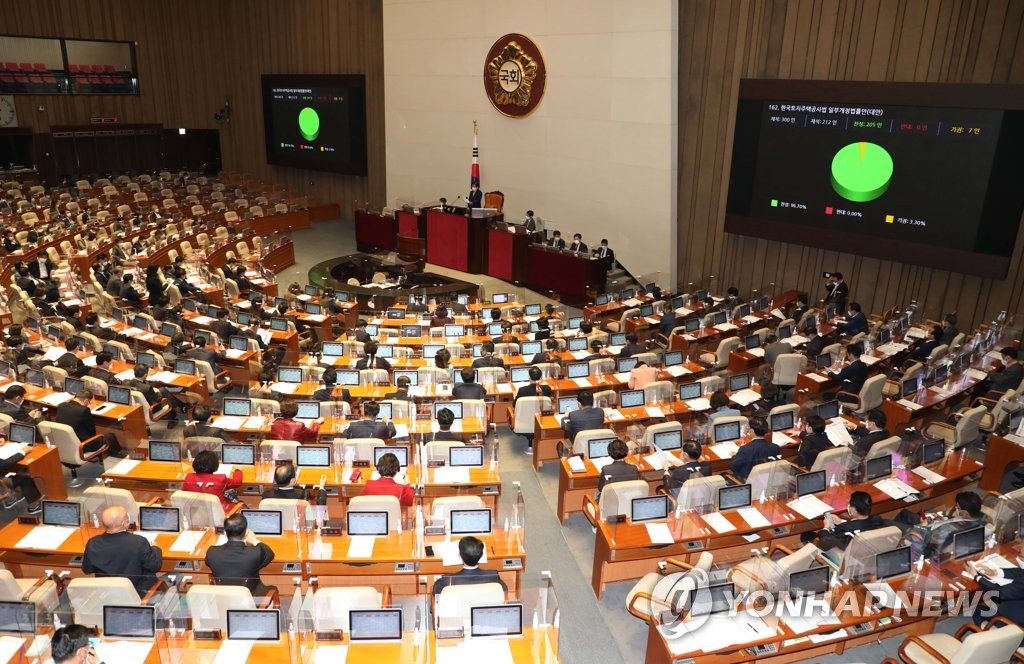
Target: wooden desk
624 551
43 463
375 231
1003 453
565 273
929 402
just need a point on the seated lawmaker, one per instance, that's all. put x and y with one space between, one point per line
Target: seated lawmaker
756 451
619 470
872 432
238 561
369 426
860 520
853 374
469 388
284 484
856 321
286 427
445 420
925 348
674 478
118 552
390 481
813 441
205 479
471 550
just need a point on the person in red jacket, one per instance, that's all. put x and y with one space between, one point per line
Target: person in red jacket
287 427
204 478
386 485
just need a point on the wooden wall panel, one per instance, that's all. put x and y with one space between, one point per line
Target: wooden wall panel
954 41
195 54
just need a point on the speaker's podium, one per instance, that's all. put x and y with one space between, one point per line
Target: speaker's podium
507 251
457 240
374 231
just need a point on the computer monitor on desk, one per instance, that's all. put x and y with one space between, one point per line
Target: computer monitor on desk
892 564
828 410
650 508
129 622
238 454
734 497
254 624
668 441
597 448
810 483
501 620
153 518
62 513
812 582
313 456
375 624
21 433
782 421
727 431
878 467
237 407
367 523
968 543
400 451
17 617
264 522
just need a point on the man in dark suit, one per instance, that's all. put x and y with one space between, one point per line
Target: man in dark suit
692 467
853 374
93 327
1010 376
605 253
800 309
487 358
369 426
360 334
577 244
556 240
70 362
1009 599
925 348
326 393
128 292
149 392
41 267
371 361
13 406
756 451
415 305
402 393
813 441
949 331
534 388
840 535
815 343
530 222
117 552
284 484
856 321
224 327
475 198
238 561
619 470
102 369
837 291
76 414
471 550
445 420
872 432
199 351
469 388
668 320
773 348
632 346
201 428
549 354
585 418
115 284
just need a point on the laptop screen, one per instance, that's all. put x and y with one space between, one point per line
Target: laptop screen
530 347
823 361
159 519
308 410
289 374
933 451
187 367
315 456
311 289
598 447
453 330
471 522
577 343
168 329
668 440
719 318
466 455
499 298
908 387
401 453
692 325
430 350
650 508
726 431
739 382
631 398
673 358
313 309
892 563
254 624
878 467
238 455
129 622
494 329
17 617
520 374
36 378
164 450
410 330
617 339
753 341
625 364
808 483
812 581
21 433
237 407
73 385
567 405
454 406
332 349
385 410
502 620
716 598
734 497
279 324
395 313
784 332
367 523
689 391
119 395
828 410
375 624
146 359
967 543
574 322
348 377
385 350
577 370
782 421
263 522
61 513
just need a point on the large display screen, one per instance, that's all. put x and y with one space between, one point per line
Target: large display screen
316 121
923 174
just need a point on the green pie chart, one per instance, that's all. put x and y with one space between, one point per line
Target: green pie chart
309 124
861 172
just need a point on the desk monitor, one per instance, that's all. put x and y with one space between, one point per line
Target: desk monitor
884 335
400 451
689 391
478 350
811 321
499 298
341 297
598 447
532 310
782 421
719 318
204 335
332 349
386 350
53 331
878 467
129 622
716 598
941 374
367 523
814 581
313 309
567 405
577 343
453 330
254 624
430 350
617 339
33 377
21 433
165 450
752 341
264 522
823 361
454 406
411 331
673 358
289 374
371 329
238 454
692 324
519 374
471 456
625 364
385 410
501 620
73 385
734 497
147 360
278 301
726 431
311 290
574 322
668 440
308 410
577 370
313 456
186 367
631 398
62 513
279 324
375 624
744 311
828 410
739 382
628 293
650 508
239 343
471 522
348 377
187 304
810 483
122 396
784 332
33 323
5 368
932 451
889 564
237 407
243 318
159 519
395 313
966 543
530 347
168 329
494 329
17 617
411 374
646 310
908 387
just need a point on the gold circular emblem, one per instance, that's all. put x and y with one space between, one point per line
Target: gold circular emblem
514 75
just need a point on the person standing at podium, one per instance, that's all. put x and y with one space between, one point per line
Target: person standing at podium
530 222
577 244
556 240
605 253
475 198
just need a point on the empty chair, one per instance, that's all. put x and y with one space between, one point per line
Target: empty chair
441 508
199 510
997 642
659 391
616 498
606 399
771 574
620 325
71 450
41 591
88 596
966 431
438 450
787 367
836 462
858 559
524 415
720 358
657 592
387 504
869 397
208 605
698 493
331 606
455 601
769 479
890 445
281 449
292 510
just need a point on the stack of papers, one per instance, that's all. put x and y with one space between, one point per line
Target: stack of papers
756 352
677 370
744 397
579 354
234 353
754 518
651 320
9 647
232 651
659 533
909 404
802 624
869 359
330 654
255 422
782 439
7 450
187 541
929 476
492 651
284 388
582 382
622 377
202 321
698 404
895 488
721 631
361 546
683 311
503 388
795 340
163 377
838 434
751 319
230 422
725 327
601 462
654 411
717 521
128 652
976 374
816 377
46 538
613 415
660 458
725 450
451 475
809 506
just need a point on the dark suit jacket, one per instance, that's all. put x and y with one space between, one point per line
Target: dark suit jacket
378 363
840 536
224 329
814 347
17 413
534 390
78 417
756 451
129 294
866 440
617 471
1010 598
105 375
466 576
675 479
235 563
558 244
123 554
838 294
924 349
668 323
949 334
854 324
327 394
853 375
1008 378
206 355
294 493
773 350
149 393
69 362
490 361
399 395
469 391
370 429
812 444
629 350
33 268
476 198
583 420
442 436
578 246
